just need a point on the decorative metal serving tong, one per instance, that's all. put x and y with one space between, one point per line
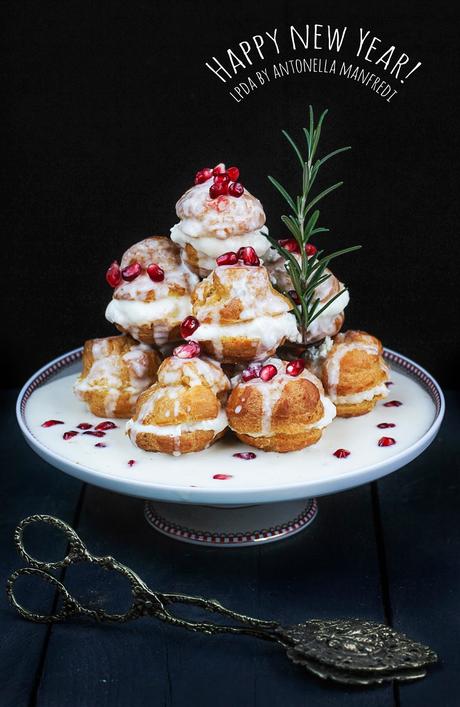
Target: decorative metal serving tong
348 651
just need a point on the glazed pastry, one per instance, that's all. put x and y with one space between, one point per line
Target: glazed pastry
212 225
116 370
183 411
353 372
279 407
152 291
241 316
331 320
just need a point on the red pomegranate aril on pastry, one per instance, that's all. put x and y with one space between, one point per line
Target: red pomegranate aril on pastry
113 274
295 368
155 273
131 462
310 249
341 453
392 404
245 455
84 426
222 177
248 255
268 372
51 423
222 477
235 189
386 441
218 189
218 169
106 425
188 326
189 350
233 173
385 425
250 373
131 272
290 244
229 258
69 435
95 433
294 296
203 175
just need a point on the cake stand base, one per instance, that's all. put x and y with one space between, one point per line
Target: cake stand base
231 526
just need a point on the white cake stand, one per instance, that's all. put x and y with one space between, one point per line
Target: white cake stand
213 497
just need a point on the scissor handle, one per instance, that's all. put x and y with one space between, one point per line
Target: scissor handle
68 608
76 551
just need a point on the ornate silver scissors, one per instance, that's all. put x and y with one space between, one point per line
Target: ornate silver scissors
348 651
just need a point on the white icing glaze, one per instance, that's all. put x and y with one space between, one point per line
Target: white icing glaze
216 425
333 361
198 371
105 374
272 390
132 314
222 217
268 330
355 398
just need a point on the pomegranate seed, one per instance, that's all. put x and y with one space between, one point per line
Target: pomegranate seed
341 453
113 274
294 368
95 433
100 444
386 441
229 258
290 244
131 462
51 423
84 426
189 350
235 189
310 249
233 173
69 435
219 169
389 383
250 373
188 326
392 404
268 372
107 425
131 272
222 477
203 175
245 455
294 296
155 273
219 178
218 189
386 425
248 255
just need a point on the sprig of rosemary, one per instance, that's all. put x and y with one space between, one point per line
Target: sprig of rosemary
302 223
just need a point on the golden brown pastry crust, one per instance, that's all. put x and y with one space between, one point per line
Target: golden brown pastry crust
98 398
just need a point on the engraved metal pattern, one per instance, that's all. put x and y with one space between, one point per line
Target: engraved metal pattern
348 651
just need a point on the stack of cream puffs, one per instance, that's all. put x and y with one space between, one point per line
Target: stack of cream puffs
217 285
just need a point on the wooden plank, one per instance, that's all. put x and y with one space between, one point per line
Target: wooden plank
419 507
29 485
330 570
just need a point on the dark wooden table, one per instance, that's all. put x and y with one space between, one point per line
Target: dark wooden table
389 551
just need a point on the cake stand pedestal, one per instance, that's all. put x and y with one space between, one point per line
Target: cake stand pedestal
231 526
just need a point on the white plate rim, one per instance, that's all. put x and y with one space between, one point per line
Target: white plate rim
221 496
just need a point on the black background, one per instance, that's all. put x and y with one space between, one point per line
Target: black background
110 111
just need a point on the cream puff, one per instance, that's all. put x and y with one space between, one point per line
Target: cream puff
279 406
353 372
331 320
238 316
116 370
183 412
217 215
151 291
